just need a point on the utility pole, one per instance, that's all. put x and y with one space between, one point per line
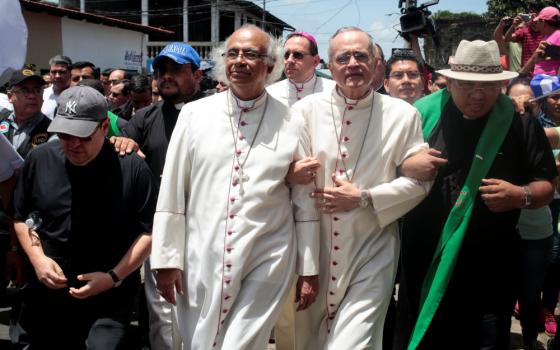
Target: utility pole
263 14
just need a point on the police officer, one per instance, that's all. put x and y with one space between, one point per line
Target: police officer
25 128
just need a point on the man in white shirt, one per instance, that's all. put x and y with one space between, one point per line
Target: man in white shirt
60 78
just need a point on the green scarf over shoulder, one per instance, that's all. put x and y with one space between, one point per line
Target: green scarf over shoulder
455 228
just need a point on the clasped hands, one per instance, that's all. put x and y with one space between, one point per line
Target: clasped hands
51 275
343 196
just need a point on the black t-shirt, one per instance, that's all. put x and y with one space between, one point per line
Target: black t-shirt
90 214
151 127
489 256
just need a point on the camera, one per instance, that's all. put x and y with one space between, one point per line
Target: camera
525 17
417 19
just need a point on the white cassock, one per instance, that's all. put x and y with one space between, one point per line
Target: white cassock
234 240
289 92
360 247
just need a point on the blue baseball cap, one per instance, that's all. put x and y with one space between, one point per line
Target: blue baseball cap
179 52
544 85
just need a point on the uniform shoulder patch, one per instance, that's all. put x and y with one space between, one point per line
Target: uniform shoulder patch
4 127
39 139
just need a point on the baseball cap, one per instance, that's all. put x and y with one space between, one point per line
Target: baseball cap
19 76
544 85
179 52
80 110
548 14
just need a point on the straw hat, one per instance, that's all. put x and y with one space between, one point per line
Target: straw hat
477 61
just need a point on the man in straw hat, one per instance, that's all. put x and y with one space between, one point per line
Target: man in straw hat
460 247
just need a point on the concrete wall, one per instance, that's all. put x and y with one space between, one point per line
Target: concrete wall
451 33
106 47
44 38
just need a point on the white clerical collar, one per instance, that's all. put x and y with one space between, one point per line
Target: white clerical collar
246 105
180 105
339 98
468 118
306 85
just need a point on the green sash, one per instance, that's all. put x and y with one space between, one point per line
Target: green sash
447 251
113 128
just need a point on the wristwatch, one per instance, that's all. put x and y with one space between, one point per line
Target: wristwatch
116 280
365 199
527 197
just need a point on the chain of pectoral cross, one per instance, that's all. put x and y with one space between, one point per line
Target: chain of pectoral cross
339 139
240 177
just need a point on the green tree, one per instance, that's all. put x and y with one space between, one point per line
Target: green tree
456 15
500 8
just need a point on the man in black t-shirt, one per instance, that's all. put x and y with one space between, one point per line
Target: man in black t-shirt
91 220
178 76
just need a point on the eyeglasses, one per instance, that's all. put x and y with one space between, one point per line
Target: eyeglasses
441 85
248 54
297 55
413 74
344 58
477 85
28 91
67 137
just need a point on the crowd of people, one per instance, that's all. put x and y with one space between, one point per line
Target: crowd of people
284 205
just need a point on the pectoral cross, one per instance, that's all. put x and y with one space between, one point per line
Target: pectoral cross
240 178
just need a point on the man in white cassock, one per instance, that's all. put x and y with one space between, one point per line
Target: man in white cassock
301 57
360 139
229 235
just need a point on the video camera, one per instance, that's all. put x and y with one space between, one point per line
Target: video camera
416 19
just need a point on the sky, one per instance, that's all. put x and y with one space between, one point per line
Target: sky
378 17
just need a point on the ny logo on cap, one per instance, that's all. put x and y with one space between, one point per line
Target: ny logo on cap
70 107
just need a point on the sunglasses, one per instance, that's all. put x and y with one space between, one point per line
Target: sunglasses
297 55
344 58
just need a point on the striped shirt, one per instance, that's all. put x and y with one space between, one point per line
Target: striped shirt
529 40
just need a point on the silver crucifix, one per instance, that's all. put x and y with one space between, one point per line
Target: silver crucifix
240 178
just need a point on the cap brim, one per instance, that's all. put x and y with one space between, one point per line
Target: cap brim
547 94
74 127
505 75
31 77
158 59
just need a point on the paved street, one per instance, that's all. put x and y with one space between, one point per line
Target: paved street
516 339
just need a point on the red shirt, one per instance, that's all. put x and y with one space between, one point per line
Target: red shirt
529 40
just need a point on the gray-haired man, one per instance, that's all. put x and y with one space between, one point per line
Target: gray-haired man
60 78
225 245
